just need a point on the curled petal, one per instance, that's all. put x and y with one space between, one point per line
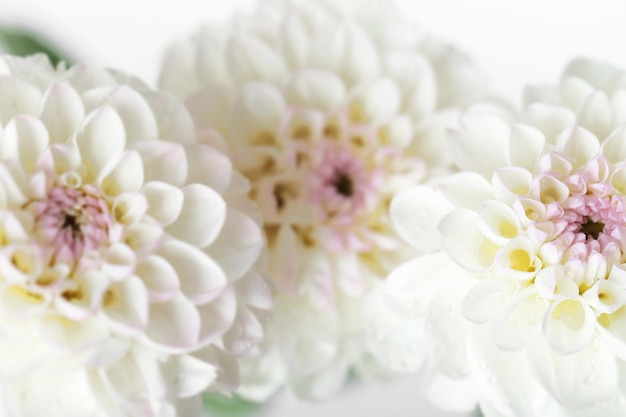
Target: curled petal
569 326
464 242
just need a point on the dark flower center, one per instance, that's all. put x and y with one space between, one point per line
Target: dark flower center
344 185
592 229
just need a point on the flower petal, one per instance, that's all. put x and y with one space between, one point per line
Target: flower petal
520 322
415 214
201 279
251 59
238 245
217 316
174 325
159 277
464 242
163 161
569 326
101 142
202 216
480 145
525 146
165 202
25 139
135 113
315 88
62 112
209 167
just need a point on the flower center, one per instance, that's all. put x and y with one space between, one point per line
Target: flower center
340 185
344 185
591 229
71 222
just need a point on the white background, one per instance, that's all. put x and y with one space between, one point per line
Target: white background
518 42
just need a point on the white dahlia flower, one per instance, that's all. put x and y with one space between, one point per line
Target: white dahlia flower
523 303
328 108
126 274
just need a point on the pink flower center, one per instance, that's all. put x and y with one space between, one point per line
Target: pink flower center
595 223
590 224
71 222
340 186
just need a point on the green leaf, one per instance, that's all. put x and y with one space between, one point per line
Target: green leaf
218 405
17 41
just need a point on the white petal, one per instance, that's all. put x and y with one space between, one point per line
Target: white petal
126 305
209 167
517 260
548 190
174 121
84 77
244 334
486 300
143 238
498 222
189 375
578 380
375 102
254 291
525 146
127 176
159 277
416 79
579 144
315 88
165 202
518 325
550 119
284 262
575 91
101 142
411 285
415 214
174 324
119 261
238 245
464 242
569 326
480 145
256 115
217 316
62 112
347 51
72 334
25 138
614 147
595 114
136 114
163 161
465 189
201 279
294 40
201 218
17 97
251 59
511 182
178 71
